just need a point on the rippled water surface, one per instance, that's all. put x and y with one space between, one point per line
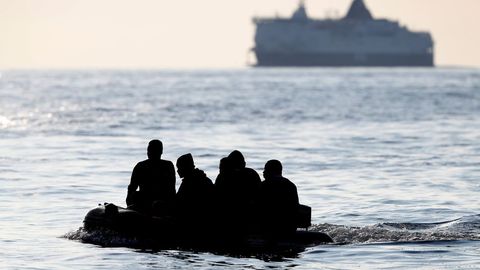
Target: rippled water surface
389 159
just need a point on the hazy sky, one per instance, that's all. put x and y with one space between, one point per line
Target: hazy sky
194 33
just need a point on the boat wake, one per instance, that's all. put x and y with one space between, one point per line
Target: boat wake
106 238
462 229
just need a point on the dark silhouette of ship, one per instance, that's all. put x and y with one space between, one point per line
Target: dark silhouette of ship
358 39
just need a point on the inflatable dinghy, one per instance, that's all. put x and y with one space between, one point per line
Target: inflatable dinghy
164 232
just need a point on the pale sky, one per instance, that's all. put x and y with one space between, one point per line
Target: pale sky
198 33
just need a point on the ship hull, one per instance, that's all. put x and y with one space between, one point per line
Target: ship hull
268 59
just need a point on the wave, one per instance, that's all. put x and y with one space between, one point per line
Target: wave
106 238
461 229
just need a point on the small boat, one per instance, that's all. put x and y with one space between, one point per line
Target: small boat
164 232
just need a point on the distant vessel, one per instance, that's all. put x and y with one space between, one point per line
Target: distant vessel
358 39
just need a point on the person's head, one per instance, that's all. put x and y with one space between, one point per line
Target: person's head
236 159
154 149
224 166
185 165
273 168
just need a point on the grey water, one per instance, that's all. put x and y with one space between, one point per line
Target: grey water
389 159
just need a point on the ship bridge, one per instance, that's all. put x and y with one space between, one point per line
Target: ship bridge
358 11
301 13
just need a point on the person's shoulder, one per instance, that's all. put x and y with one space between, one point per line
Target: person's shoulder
289 183
141 163
202 176
208 181
251 173
266 183
166 162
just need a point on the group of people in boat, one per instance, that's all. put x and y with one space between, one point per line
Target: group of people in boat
238 200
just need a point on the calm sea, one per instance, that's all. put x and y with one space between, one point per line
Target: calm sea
389 159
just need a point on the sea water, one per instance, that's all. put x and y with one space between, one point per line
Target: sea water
389 159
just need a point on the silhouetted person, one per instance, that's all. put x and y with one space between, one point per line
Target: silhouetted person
278 202
194 199
225 203
224 172
155 180
248 179
237 188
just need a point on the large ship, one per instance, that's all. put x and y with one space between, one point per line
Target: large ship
358 39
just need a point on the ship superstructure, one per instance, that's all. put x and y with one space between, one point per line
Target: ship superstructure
358 39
